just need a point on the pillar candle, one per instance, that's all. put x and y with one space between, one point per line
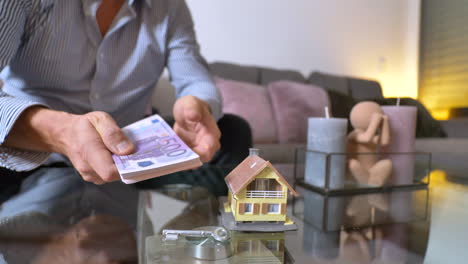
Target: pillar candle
326 135
402 120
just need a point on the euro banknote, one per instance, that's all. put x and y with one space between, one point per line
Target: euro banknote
159 151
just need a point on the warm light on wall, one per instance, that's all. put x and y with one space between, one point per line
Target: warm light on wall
440 114
393 87
440 104
398 83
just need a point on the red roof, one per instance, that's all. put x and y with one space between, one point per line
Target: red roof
246 172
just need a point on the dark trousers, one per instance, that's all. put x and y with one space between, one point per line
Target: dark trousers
10 182
236 140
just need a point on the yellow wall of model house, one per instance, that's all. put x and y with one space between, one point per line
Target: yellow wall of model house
241 198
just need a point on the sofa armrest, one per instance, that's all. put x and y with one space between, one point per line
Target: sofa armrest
448 154
456 128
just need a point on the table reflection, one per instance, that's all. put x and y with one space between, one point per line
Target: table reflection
360 228
96 239
187 208
386 244
58 218
246 248
335 212
259 247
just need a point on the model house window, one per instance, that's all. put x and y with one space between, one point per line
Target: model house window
248 208
273 208
264 185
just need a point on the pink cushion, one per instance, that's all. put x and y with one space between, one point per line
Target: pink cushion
293 103
251 102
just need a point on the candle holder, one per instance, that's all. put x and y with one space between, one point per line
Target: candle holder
331 173
339 211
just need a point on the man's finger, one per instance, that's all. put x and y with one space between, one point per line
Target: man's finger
212 127
87 173
187 136
207 148
112 136
100 159
188 111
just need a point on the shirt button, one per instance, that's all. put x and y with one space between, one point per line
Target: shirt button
96 96
101 55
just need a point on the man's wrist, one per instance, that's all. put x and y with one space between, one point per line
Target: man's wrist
39 128
52 127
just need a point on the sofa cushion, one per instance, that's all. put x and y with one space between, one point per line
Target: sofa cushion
293 103
268 75
447 154
250 74
251 102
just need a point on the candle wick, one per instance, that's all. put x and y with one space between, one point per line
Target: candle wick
398 101
327 112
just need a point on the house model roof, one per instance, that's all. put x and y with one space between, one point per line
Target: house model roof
246 172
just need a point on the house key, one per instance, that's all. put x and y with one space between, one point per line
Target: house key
217 233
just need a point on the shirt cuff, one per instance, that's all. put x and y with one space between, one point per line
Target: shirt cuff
21 160
15 159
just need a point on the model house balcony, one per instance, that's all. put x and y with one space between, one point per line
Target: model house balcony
265 194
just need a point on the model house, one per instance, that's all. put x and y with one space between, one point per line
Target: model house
257 192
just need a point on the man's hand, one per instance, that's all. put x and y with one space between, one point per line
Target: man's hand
87 140
196 126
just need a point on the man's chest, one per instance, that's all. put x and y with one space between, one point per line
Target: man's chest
63 43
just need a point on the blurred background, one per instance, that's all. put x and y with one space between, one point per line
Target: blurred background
414 48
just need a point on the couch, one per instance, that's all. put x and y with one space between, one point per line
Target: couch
252 91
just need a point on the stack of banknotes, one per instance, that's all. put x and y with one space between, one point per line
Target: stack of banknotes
159 151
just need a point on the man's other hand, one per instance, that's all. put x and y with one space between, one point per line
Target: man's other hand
196 126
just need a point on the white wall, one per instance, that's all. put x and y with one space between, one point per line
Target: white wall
367 38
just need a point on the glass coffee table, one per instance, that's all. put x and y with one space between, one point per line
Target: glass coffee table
438 236
77 222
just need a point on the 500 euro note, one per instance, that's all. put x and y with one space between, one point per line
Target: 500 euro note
159 151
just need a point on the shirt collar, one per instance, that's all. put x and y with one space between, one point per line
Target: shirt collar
148 2
87 3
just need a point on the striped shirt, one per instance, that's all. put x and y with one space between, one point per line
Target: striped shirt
52 53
